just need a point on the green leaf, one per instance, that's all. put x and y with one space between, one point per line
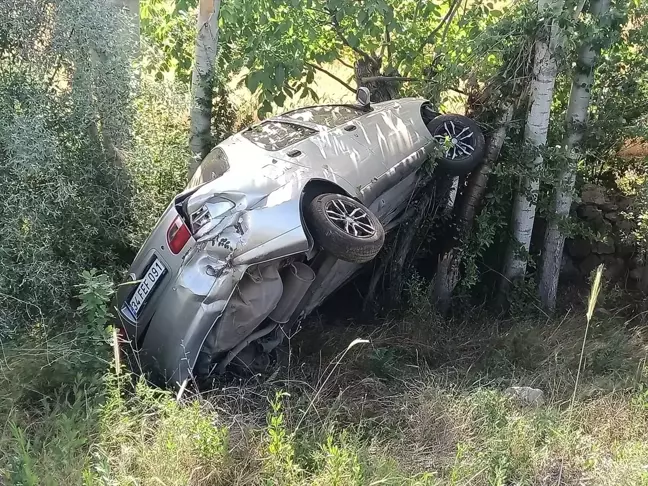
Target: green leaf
362 17
280 99
280 74
353 41
253 80
266 107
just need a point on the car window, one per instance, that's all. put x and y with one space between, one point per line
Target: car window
273 135
329 116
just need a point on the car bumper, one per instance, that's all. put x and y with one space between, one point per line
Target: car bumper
184 310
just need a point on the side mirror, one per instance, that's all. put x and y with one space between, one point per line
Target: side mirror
363 97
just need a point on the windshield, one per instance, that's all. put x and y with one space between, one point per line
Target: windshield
275 135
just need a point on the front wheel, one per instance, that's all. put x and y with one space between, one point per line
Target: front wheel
345 228
461 140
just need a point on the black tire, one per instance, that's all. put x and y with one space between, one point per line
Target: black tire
463 154
325 220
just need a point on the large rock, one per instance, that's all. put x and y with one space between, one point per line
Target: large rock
636 273
623 202
590 263
593 194
604 247
615 267
579 248
625 225
625 249
526 395
590 213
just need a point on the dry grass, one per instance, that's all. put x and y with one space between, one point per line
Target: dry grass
422 403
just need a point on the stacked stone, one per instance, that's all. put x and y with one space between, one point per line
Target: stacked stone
603 212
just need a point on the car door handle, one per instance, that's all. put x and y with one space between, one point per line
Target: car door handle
350 128
294 153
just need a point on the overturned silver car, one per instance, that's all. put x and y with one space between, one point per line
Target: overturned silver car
276 218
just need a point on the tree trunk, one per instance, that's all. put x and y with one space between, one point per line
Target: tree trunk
545 69
448 271
380 90
202 82
576 120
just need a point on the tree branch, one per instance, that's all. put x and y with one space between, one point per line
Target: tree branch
431 35
332 76
344 63
453 11
405 79
579 9
338 32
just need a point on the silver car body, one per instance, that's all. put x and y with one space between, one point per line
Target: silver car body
372 157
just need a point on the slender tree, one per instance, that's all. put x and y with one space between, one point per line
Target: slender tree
448 271
576 120
202 82
545 69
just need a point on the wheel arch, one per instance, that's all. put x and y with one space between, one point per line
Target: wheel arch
311 190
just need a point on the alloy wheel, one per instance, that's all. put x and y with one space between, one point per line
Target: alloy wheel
457 140
351 219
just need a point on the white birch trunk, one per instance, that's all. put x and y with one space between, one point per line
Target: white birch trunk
576 120
545 69
202 81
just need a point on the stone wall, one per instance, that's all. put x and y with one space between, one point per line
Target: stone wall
603 212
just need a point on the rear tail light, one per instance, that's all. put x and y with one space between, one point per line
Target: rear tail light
177 235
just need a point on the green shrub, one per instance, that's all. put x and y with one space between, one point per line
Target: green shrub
65 124
158 161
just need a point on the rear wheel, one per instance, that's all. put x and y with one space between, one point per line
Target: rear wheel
461 140
345 228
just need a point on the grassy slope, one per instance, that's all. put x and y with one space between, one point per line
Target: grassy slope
421 404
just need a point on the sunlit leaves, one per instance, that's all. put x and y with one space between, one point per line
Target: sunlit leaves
168 28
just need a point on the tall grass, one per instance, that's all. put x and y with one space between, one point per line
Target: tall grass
421 404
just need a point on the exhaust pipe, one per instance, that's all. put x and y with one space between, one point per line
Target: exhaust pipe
297 278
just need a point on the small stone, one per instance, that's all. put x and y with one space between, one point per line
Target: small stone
526 395
579 248
590 263
625 225
590 213
604 247
593 194
623 202
609 207
636 273
612 216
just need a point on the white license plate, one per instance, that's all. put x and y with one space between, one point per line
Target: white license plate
147 284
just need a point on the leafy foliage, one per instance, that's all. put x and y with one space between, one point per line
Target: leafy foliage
158 159
168 29
280 42
65 118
